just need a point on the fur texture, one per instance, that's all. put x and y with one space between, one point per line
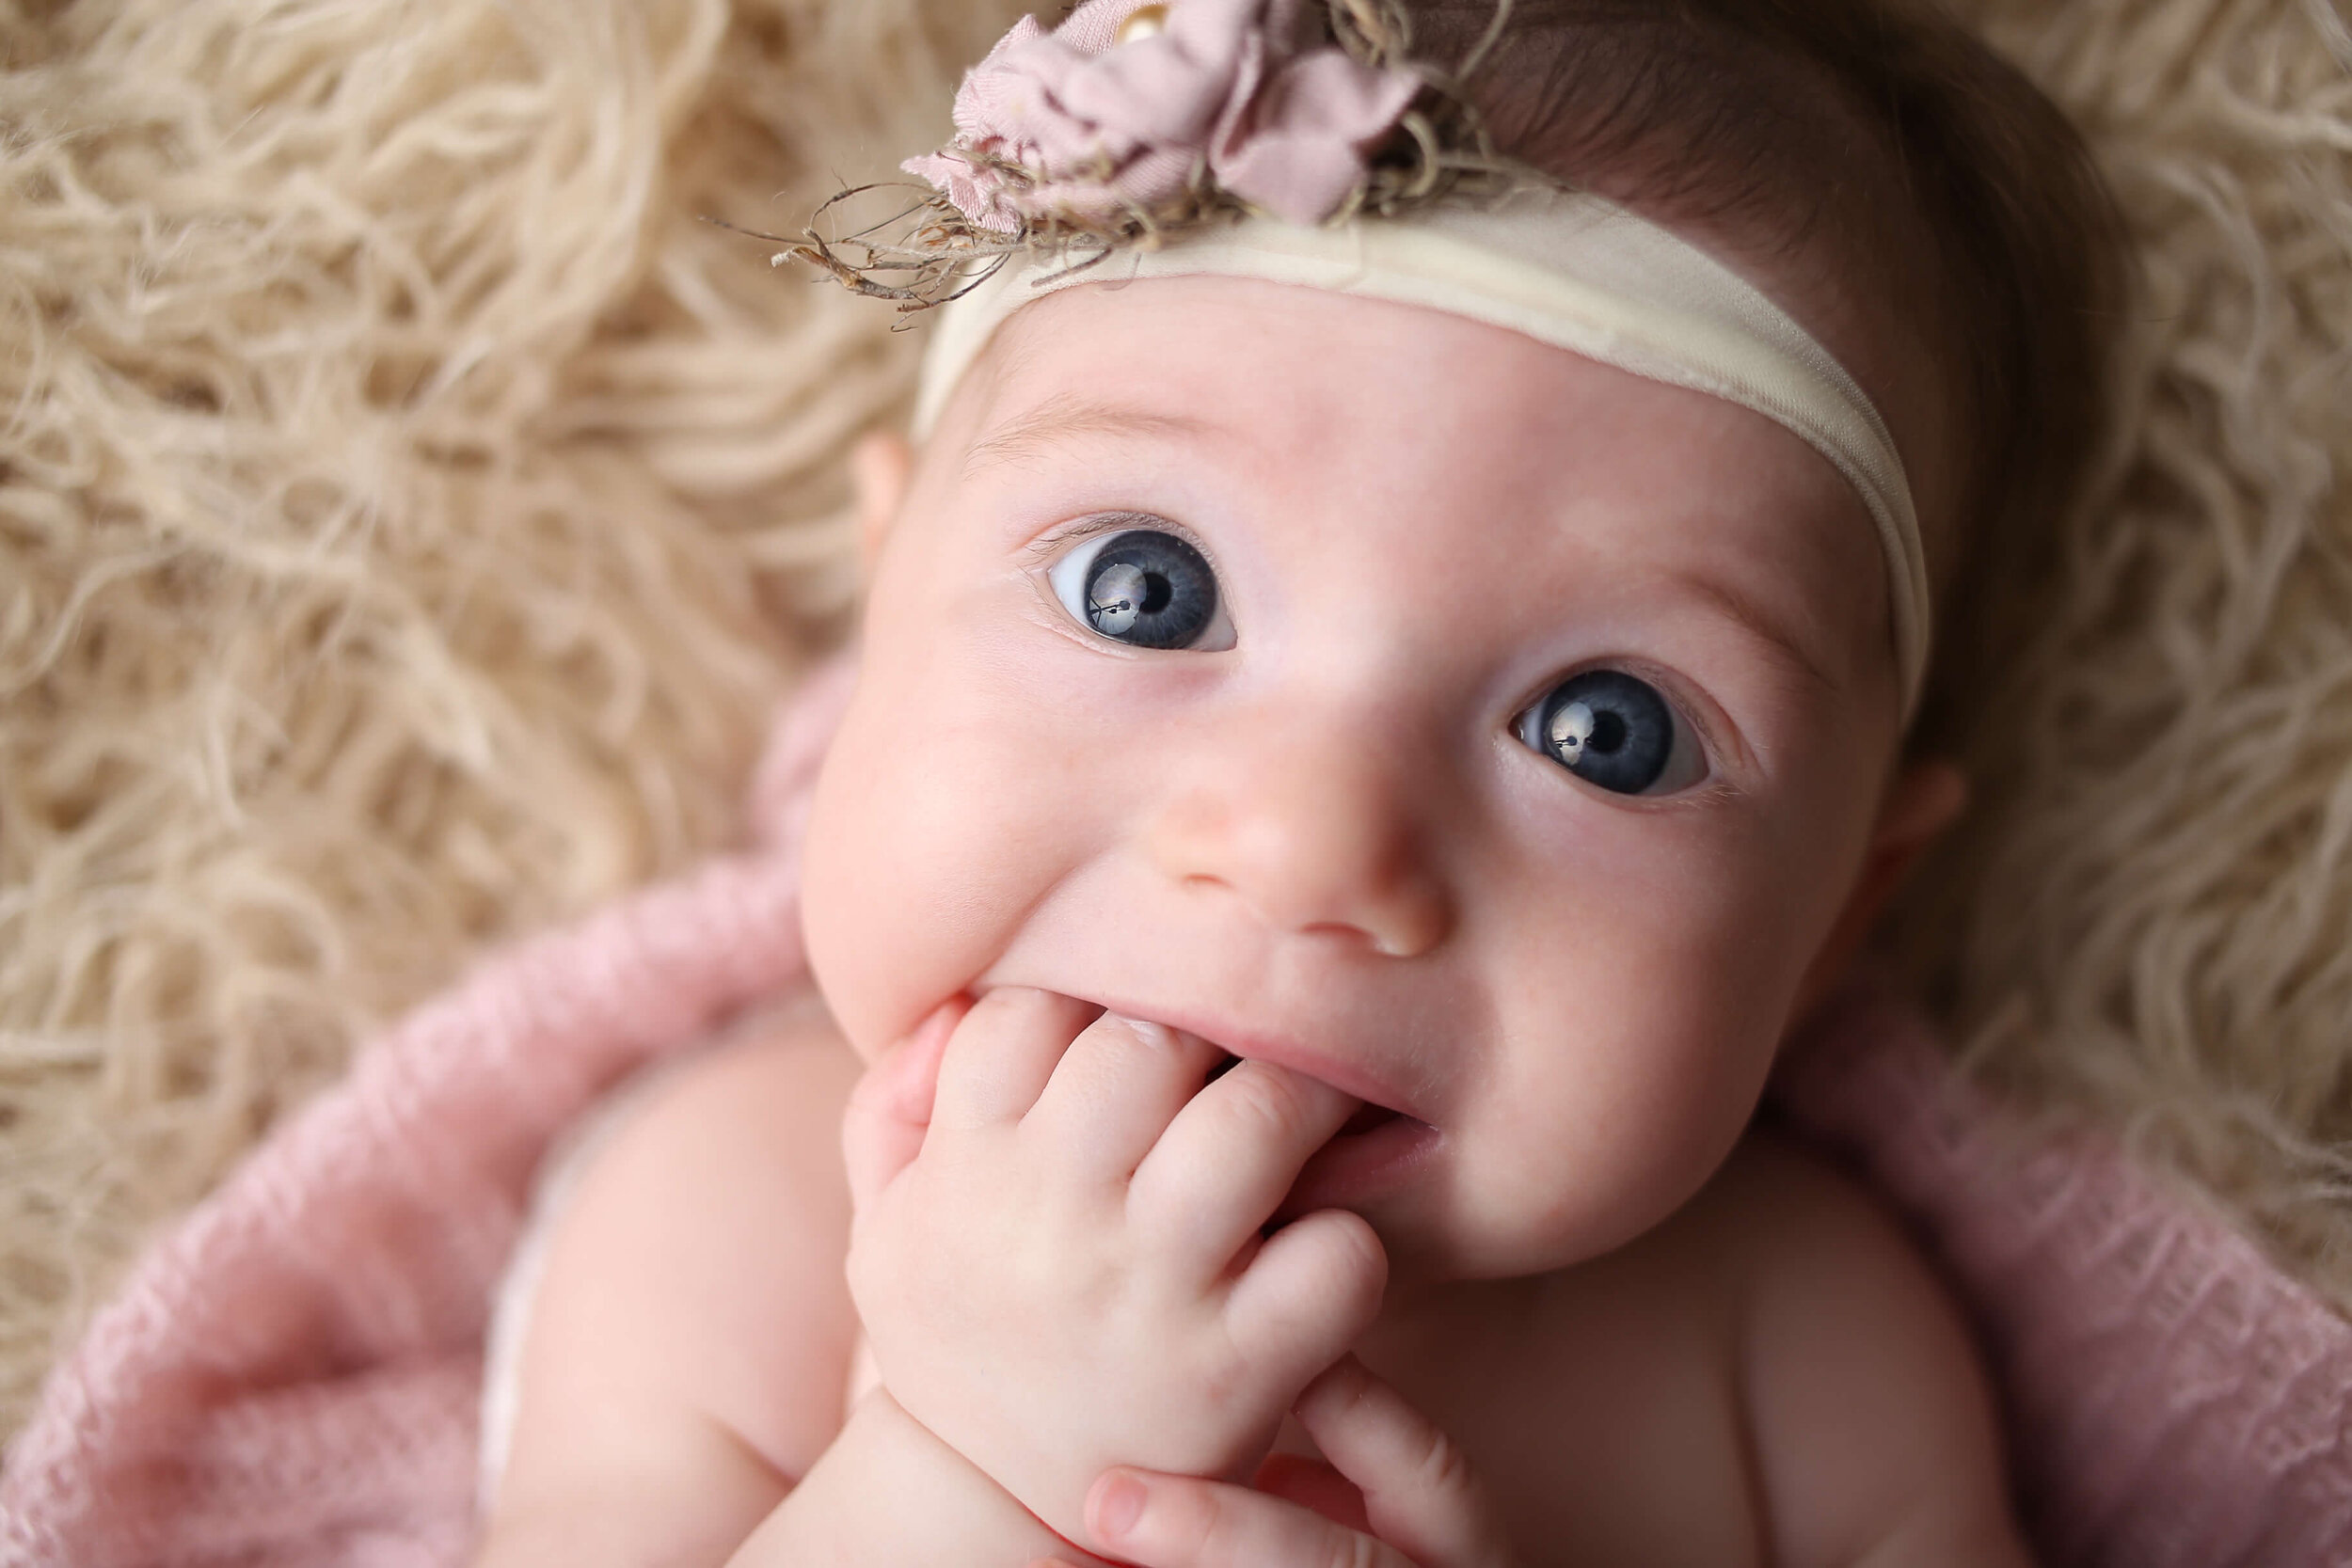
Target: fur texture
2148 918
409 511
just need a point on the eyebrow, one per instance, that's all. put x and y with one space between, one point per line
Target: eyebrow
1068 416
1761 624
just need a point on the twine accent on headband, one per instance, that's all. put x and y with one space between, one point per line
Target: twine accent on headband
1565 268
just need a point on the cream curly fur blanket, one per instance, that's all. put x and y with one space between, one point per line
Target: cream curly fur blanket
409 510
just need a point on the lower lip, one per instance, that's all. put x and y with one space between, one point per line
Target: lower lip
1354 1168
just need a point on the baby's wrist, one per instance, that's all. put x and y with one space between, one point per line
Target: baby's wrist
986 1500
891 1491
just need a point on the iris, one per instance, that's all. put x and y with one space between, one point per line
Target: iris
1607 728
1149 590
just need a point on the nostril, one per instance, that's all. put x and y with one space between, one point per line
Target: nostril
1354 935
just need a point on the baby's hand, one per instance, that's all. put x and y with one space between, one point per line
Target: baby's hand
1062 1273
1398 1495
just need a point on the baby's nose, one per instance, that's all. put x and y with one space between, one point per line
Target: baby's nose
1314 832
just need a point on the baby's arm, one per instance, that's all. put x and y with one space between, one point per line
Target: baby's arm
1873 1425
687 1352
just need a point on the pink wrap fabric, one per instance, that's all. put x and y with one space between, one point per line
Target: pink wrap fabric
290 1376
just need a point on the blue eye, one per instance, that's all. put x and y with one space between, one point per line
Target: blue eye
1614 730
1145 587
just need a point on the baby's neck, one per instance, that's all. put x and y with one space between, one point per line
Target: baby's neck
1420 1316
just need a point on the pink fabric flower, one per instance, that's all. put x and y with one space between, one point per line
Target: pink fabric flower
1100 127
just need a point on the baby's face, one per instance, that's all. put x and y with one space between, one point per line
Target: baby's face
1492 733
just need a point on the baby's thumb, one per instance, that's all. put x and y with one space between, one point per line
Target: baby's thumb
890 1109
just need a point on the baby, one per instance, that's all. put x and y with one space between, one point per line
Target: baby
1374 720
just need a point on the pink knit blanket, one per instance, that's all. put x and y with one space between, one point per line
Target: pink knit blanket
291 1377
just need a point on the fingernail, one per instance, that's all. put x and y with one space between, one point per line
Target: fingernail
1120 1504
1146 1031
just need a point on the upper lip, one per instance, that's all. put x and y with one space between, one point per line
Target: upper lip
1347 1077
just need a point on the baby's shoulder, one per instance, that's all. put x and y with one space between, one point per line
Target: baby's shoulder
1772 1374
692 1274
1796 1249
741 1135
1870 1413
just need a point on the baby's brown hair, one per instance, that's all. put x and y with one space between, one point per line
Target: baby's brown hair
1792 122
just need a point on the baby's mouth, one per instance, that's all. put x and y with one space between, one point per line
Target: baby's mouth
1367 1116
1375 1150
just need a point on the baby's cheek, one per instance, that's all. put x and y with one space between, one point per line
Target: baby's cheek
1627 1142
1644 1006
871 890
836 922
923 850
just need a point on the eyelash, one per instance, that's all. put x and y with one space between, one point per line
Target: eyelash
1045 550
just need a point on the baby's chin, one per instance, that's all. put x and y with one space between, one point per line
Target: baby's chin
1499 1196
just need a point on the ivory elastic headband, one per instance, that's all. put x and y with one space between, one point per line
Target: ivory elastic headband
1566 269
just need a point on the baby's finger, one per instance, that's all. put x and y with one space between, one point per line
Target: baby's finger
1117 1088
1420 1492
1163 1521
890 1109
1224 1164
1310 1293
1002 1054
